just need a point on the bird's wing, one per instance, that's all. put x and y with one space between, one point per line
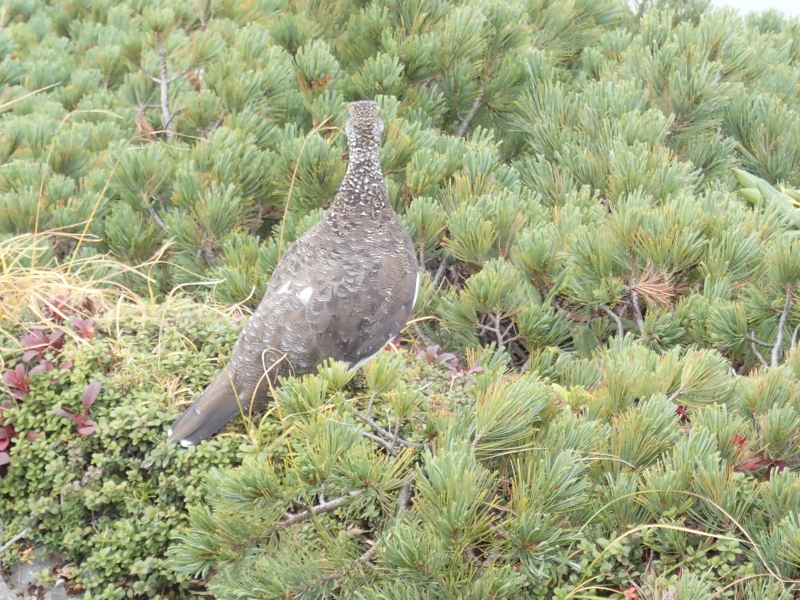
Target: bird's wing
345 311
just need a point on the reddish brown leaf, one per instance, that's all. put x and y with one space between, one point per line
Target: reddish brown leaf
85 327
57 308
630 594
43 366
63 412
90 394
30 354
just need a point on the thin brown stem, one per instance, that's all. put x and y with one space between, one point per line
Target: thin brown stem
476 105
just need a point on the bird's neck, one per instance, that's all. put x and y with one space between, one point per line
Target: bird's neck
362 194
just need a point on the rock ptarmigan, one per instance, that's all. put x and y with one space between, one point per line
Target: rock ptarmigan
343 291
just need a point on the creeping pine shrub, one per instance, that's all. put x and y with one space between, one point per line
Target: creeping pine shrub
88 470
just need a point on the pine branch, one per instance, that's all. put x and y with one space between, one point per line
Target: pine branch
462 129
363 559
777 349
321 508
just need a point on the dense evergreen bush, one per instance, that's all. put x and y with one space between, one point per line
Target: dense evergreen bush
599 397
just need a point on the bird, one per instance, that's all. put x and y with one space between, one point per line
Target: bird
342 291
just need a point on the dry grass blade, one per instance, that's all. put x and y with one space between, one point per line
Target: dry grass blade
6 105
144 129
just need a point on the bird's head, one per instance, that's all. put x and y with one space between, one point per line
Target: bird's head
364 127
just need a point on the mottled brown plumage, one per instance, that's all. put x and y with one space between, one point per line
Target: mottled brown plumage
342 291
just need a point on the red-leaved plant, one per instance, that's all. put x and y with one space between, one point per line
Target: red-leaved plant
431 355
86 327
38 342
82 421
18 382
7 432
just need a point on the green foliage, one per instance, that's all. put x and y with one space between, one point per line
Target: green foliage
110 500
549 488
569 174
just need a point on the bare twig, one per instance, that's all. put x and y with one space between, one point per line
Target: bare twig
617 320
404 497
462 129
396 433
388 446
758 354
496 328
14 540
477 440
437 278
156 218
179 75
164 83
676 394
214 126
149 76
385 433
777 349
637 311
363 559
754 340
321 508
794 338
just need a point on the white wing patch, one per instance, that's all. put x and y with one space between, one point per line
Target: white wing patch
305 295
284 287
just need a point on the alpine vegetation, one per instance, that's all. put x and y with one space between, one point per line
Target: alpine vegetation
575 222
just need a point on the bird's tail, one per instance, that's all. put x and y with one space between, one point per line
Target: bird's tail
208 414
